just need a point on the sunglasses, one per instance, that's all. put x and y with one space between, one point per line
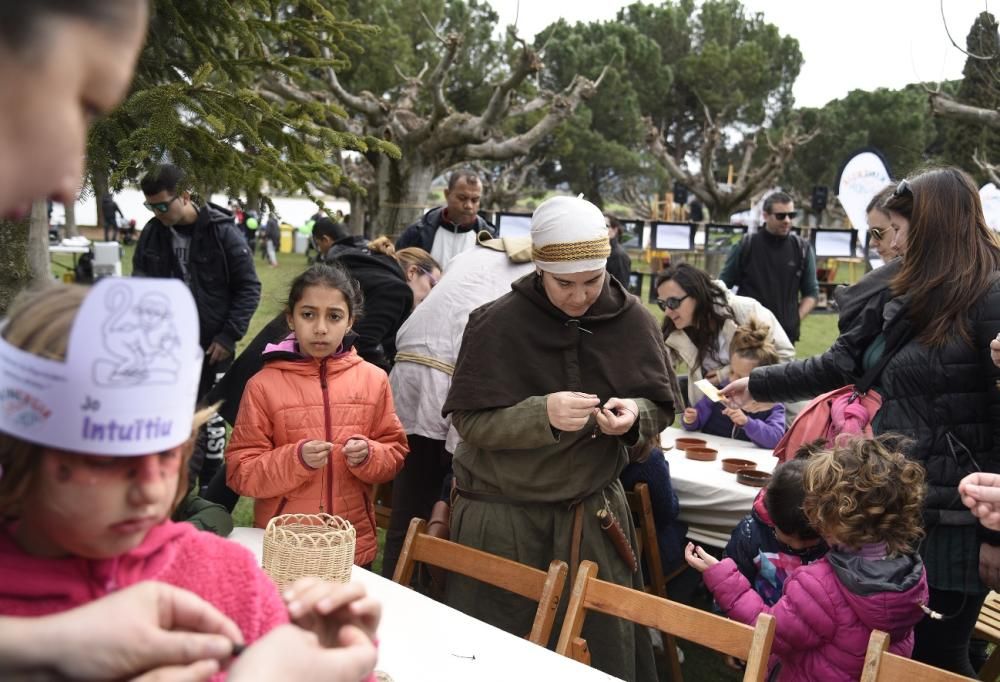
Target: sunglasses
672 302
160 206
879 233
791 215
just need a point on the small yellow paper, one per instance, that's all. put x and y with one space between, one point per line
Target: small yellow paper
709 389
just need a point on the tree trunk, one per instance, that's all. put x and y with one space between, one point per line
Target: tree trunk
70 228
38 245
356 218
100 181
402 193
15 271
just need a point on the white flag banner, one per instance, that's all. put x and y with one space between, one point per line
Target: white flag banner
861 177
989 194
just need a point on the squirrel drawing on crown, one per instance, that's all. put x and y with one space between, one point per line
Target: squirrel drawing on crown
141 339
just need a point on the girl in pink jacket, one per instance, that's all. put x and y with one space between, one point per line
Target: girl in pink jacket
865 500
97 393
317 427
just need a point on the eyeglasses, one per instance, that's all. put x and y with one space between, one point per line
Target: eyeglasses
430 276
161 206
879 233
791 215
671 302
903 188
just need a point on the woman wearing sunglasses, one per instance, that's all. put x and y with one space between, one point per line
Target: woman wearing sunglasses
879 227
939 387
700 317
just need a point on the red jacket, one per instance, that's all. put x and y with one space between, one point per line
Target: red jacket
217 570
295 399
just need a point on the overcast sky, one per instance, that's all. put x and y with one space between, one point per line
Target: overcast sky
846 44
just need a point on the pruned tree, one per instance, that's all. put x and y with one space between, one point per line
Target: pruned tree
435 124
504 184
754 174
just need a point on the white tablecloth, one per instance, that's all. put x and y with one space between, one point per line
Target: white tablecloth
421 639
711 501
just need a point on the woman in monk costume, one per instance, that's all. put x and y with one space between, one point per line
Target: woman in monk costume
558 384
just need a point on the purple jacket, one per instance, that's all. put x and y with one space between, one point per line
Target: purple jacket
829 609
763 429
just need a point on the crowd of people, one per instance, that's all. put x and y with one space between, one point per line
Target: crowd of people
484 371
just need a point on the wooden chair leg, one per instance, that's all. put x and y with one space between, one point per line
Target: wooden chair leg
991 669
673 662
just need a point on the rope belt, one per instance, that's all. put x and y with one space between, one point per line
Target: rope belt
427 361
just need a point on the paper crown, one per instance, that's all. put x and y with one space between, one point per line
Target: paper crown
569 234
129 382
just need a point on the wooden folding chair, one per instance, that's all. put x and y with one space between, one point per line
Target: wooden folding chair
382 499
526 581
751 644
641 505
883 666
988 628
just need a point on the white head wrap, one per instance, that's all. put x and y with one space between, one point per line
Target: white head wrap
569 235
129 381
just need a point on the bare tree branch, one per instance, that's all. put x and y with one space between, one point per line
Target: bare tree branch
563 105
437 78
748 153
527 64
944 21
942 105
991 170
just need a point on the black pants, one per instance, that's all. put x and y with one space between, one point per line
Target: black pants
210 444
945 643
414 491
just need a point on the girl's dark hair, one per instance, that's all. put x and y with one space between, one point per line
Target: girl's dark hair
333 276
951 254
710 312
21 20
753 342
783 500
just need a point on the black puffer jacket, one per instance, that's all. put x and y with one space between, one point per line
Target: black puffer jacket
421 233
945 399
223 282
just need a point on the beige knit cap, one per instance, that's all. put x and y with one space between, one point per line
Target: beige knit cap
569 235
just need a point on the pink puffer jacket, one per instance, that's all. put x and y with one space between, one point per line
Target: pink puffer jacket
828 611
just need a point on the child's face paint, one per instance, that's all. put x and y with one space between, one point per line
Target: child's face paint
97 507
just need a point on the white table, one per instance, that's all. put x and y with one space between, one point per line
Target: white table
711 501
421 639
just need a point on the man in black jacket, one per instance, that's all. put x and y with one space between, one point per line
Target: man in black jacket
446 231
619 263
202 247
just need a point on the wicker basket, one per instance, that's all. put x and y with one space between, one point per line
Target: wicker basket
299 545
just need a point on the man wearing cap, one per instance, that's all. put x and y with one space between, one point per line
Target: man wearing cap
447 231
550 411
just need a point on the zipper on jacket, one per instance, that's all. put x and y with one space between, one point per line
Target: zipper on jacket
329 439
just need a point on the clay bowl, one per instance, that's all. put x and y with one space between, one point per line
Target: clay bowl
685 443
701 454
752 477
732 464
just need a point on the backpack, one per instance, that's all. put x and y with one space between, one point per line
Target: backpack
799 265
846 410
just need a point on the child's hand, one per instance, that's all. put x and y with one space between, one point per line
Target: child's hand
355 451
316 452
325 608
736 416
690 415
698 559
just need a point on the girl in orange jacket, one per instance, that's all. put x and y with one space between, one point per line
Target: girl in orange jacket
316 427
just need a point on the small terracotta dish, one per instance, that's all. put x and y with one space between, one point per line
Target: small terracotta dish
685 443
757 479
732 464
701 454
